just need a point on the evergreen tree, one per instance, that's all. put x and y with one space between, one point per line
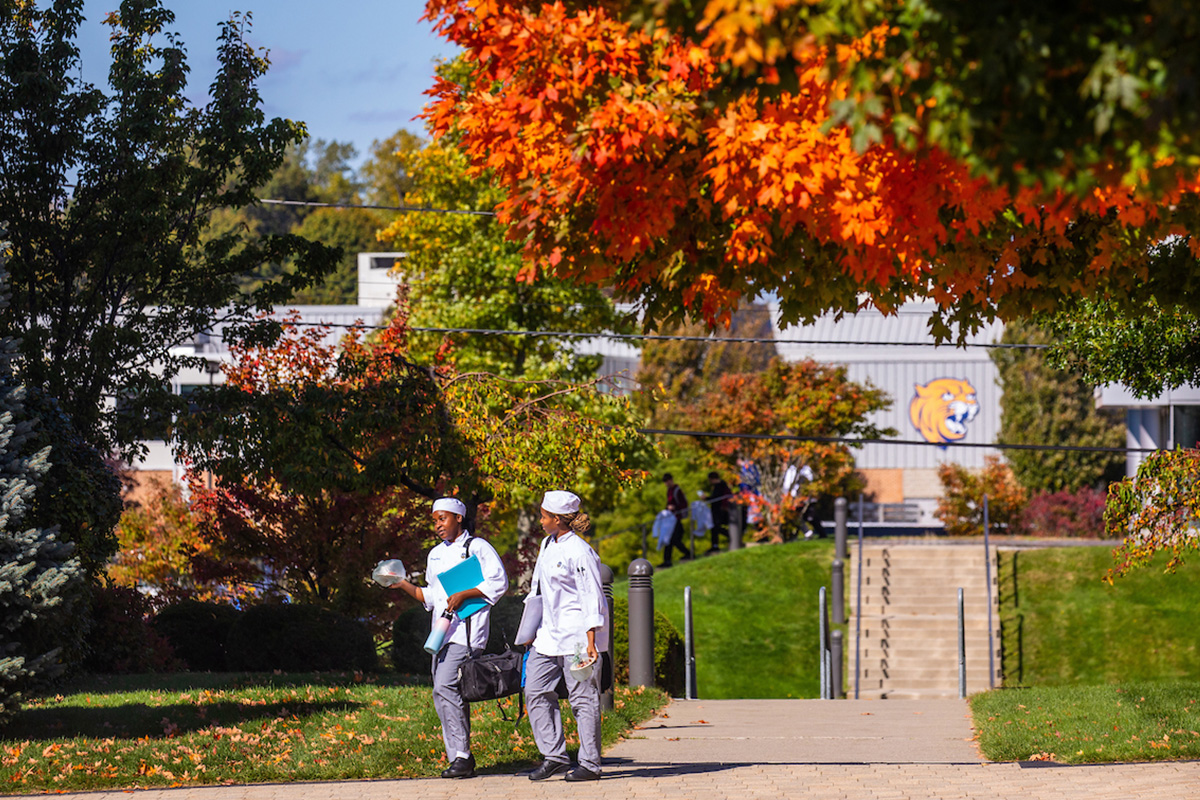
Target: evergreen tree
36 569
1042 404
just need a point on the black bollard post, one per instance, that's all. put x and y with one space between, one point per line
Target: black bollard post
736 517
641 623
606 581
838 587
841 513
840 516
835 657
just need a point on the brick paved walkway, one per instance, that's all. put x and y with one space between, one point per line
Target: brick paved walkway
744 749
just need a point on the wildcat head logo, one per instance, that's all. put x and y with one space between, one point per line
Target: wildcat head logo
941 409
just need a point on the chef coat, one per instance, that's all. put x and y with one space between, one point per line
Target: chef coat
446 555
567 576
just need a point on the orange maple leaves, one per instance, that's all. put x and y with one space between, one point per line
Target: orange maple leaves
631 159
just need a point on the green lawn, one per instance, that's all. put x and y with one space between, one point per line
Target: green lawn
1084 724
755 615
1062 625
1110 672
141 731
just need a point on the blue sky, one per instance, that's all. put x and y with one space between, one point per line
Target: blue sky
353 71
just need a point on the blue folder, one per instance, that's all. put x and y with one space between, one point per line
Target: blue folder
467 574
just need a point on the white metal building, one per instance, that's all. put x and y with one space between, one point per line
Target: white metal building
1168 421
897 353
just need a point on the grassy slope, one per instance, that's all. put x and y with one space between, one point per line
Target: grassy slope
755 615
1062 625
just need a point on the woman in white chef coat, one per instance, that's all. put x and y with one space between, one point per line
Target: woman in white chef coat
574 619
457 545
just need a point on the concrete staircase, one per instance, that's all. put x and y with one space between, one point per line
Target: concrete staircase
909 646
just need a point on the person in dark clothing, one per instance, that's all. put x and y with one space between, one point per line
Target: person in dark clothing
720 501
811 515
677 505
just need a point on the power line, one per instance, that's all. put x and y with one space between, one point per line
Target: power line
675 338
711 339
784 437
405 209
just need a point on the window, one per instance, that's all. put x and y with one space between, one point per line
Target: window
1186 429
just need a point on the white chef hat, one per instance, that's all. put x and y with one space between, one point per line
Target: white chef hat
451 504
561 502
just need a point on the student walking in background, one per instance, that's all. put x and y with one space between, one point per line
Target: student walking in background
720 501
677 504
574 624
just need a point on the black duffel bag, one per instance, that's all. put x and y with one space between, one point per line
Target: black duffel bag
490 676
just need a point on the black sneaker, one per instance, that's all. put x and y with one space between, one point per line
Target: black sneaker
549 769
582 774
460 768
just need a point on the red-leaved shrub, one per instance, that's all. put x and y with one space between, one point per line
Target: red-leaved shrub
1067 515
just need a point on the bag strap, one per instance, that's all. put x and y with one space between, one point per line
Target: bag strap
467 621
516 720
536 584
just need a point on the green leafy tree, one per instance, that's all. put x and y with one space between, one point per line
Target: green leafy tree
311 172
465 273
1043 405
1149 348
37 570
108 195
385 175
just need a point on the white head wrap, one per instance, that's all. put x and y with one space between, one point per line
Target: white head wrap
560 502
451 504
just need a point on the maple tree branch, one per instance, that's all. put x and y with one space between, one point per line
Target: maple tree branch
406 481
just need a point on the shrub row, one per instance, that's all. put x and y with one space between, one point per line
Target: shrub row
1067 515
212 637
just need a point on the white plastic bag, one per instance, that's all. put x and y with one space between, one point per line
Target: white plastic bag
664 526
389 573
